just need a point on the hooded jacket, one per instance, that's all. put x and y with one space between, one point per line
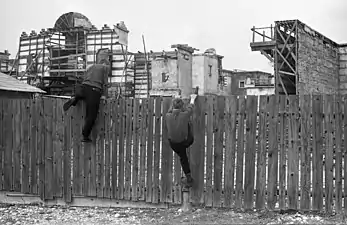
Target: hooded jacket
177 123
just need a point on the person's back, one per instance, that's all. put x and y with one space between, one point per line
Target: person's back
96 76
177 124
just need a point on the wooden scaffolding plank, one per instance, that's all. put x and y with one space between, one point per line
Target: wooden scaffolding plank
197 153
149 163
218 151
329 148
143 135
8 114
209 151
251 127
305 110
107 122
48 151
114 148
282 126
100 150
135 157
240 152
317 157
17 122
230 149
261 156
33 146
166 159
121 130
293 154
338 161
129 115
25 150
157 142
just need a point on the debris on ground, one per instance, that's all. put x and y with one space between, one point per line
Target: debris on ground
38 214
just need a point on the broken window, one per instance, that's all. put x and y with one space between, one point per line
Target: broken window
241 84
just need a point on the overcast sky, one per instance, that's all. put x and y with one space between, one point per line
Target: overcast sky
221 24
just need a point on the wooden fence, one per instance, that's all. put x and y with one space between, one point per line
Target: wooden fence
249 152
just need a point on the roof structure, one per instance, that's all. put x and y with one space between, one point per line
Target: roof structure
8 83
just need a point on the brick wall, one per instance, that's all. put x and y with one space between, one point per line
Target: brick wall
343 69
318 64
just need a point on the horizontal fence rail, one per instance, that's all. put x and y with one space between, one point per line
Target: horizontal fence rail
249 151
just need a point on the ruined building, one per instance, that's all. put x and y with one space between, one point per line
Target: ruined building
305 61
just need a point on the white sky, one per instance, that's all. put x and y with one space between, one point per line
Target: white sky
221 24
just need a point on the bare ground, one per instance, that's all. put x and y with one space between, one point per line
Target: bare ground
36 214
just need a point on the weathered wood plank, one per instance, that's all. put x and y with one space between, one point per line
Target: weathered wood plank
240 152
100 151
230 149
251 127
135 161
197 153
127 193
76 120
67 156
317 156
8 117
33 146
60 148
305 109
25 150
338 161
345 153
91 152
54 145
264 108
114 151
149 164
157 142
48 151
17 121
143 135
209 151
166 159
282 102
293 157
107 122
2 144
218 151
41 146
121 130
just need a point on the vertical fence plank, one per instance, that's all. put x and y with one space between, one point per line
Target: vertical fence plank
33 145
282 126
305 111
107 125
143 134
261 156
17 122
90 150
240 152
121 130
166 158
209 151
157 141
218 150
60 148
293 159
8 114
197 153
2 144
25 150
251 126
41 146
149 164
100 150
338 169
230 149
135 158
329 148
76 118
48 151
67 156
345 154
115 141
129 115
317 170
55 146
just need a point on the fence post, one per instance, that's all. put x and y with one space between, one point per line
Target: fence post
186 205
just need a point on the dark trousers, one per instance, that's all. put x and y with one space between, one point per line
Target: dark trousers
91 97
181 150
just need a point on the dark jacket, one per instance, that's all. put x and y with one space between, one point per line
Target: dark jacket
177 123
97 76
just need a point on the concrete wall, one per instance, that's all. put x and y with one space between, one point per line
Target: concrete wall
343 69
185 70
318 64
206 81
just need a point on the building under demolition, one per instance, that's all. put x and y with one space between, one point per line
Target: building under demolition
305 61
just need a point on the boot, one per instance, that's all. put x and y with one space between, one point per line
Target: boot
69 103
189 180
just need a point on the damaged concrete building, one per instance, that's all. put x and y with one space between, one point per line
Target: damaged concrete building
305 61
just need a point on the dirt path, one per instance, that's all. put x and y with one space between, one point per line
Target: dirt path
19 214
